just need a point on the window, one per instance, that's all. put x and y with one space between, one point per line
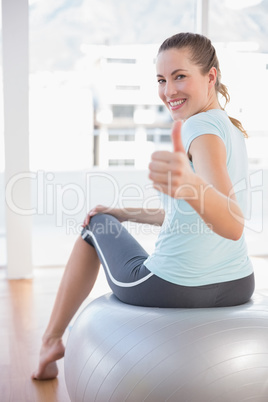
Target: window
74 46
64 74
127 87
165 138
239 31
121 61
123 111
239 24
121 162
121 137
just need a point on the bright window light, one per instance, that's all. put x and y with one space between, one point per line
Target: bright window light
240 4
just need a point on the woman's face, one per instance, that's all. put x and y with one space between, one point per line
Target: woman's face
182 87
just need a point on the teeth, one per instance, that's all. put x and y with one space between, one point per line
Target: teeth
177 102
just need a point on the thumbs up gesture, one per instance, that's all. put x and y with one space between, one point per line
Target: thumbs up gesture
171 172
176 137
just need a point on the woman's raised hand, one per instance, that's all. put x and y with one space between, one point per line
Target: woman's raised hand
171 172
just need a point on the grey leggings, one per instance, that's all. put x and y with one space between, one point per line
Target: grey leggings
122 258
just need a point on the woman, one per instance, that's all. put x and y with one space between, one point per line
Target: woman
200 258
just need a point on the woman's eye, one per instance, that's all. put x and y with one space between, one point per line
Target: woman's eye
180 77
161 81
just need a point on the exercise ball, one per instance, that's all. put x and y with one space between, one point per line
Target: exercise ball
118 352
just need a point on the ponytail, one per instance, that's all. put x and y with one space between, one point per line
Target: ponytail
222 89
238 124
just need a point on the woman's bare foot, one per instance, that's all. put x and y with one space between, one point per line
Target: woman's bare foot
51 350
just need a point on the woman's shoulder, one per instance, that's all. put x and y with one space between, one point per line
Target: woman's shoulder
210 122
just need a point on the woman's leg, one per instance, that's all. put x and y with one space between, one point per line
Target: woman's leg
78 279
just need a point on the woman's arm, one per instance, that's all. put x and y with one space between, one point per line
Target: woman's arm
152 216
208 190
217 204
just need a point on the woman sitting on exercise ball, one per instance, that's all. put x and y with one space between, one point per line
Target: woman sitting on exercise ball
200 258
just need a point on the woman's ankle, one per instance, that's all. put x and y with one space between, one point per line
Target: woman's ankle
50 339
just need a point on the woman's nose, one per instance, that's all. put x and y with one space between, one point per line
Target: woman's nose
170 89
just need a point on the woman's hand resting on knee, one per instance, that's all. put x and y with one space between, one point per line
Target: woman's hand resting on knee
101 209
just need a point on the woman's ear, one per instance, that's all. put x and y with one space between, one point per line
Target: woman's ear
212 76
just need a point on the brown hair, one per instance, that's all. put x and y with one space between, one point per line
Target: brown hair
204 55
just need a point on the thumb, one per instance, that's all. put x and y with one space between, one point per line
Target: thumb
176 137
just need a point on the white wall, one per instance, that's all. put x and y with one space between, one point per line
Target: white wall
16 131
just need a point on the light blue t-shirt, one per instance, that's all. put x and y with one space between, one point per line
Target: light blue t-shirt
187 251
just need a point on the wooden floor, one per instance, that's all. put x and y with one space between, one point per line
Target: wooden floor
25 306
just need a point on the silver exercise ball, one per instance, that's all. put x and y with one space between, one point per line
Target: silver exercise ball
117 352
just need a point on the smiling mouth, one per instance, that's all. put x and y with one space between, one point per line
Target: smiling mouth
177 103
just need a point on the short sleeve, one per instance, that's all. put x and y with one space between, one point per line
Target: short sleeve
200 124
